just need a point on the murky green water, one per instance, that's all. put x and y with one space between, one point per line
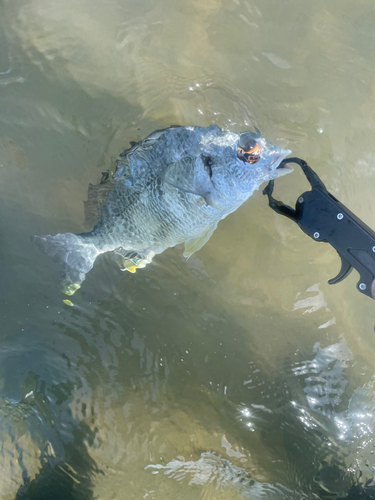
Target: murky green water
240 373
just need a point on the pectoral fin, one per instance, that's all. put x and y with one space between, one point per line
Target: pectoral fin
194 244
190 176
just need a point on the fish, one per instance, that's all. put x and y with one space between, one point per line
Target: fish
170 188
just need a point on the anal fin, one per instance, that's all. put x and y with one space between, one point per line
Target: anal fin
129 260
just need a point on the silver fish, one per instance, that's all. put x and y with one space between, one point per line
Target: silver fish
172 187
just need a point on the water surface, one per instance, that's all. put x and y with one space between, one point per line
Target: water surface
241 373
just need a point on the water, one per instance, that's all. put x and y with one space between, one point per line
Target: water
241 373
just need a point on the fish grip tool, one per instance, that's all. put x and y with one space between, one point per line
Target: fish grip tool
324 218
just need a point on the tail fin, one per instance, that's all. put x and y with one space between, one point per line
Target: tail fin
75 254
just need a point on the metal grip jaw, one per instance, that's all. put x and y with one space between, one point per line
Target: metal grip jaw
322 217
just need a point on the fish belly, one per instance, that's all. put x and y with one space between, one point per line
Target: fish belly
154 223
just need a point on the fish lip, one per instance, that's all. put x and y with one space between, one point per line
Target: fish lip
280 157
275 164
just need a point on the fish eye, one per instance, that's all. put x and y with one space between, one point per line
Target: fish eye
249 151
207 162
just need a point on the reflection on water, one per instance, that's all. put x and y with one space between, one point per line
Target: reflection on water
241 373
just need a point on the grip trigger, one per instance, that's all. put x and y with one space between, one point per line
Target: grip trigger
345 270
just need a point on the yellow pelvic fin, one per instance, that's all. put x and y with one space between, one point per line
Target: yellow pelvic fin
194 244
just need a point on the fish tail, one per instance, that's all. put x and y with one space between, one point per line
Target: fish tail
74 252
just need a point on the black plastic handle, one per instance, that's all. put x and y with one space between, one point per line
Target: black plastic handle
322 217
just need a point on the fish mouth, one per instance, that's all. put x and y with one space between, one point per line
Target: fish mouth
283 169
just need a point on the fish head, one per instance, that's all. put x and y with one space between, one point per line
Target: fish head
240 163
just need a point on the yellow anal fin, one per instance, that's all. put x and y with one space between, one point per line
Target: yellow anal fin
130 261
69 288
132 265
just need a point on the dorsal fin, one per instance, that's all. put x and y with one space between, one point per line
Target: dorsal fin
96 196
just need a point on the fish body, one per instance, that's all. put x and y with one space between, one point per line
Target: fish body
172 187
